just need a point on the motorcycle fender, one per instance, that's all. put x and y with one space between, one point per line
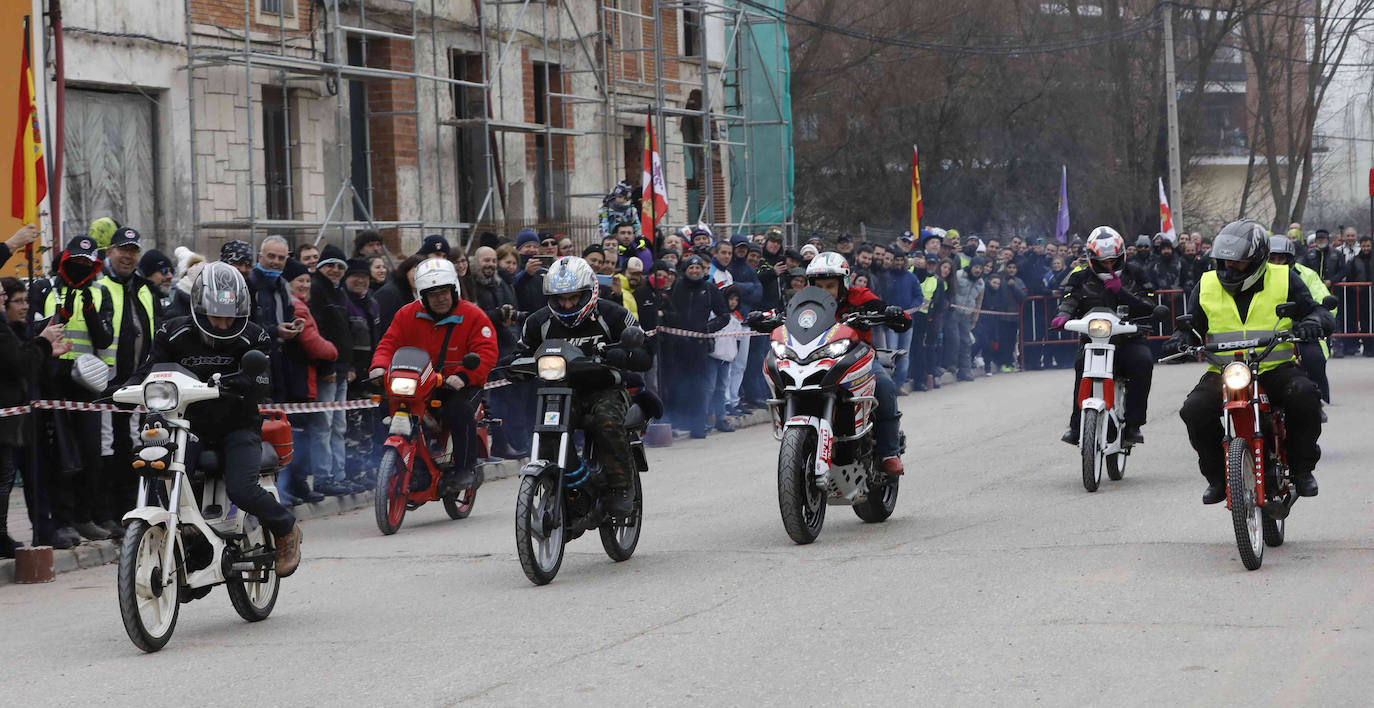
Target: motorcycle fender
152 515
1094 403
825 440
535 468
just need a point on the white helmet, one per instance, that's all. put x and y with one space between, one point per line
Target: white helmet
828 265
570 275
436 273
1106 252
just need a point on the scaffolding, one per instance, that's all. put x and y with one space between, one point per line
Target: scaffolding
583 53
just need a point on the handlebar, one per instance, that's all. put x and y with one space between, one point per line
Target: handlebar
1210 351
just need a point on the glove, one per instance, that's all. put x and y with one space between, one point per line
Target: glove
893 312
1058 322
754 318
376 372
456 382
1308 330
238 384
615 356
1177 342
1113 285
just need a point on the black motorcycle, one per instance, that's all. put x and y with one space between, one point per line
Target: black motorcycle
562 489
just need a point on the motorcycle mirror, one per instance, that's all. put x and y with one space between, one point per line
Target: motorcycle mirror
1123 311
632 337
471 361
1184 322
1330 302
1286 309
254 363
1161 313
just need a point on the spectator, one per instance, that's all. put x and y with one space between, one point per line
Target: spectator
156 268
272 308
496 298
434 246
630 244
239 254
180 304
968 299
507 262
378 273
466 285
1165 272
368 243
1325 259
616 208
329 305
694 306
308 254
725 352
365 330
399 290
529 281
566 247
303 356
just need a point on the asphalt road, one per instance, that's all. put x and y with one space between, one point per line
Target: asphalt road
997 581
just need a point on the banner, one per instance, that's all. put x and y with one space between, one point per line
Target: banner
1061 222
1166 217
653 204
917 207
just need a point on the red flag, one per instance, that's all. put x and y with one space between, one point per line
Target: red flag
29 178
918 208
653 204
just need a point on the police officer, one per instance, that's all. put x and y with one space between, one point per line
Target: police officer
1312 355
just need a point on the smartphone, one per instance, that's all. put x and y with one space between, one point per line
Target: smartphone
604 279
298 324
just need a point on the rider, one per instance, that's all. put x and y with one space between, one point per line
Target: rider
1244 281
448 328
1313 355
577 314
213 340
829 271
1109 282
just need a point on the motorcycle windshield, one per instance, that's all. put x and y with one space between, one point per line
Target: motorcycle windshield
410 359
810 314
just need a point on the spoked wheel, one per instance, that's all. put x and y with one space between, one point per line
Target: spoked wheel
1246 516
1087 447
389 503
254 593
459 505
620 540
802 503
147 602
539 526
877 507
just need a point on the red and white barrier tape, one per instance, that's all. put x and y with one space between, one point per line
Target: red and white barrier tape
706 335
55 405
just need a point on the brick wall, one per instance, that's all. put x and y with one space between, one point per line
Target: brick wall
229 14
393 137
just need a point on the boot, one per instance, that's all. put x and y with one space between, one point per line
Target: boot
1215 494
1306 484
288 552
620 501
893 466
7 544
91 531
1131 434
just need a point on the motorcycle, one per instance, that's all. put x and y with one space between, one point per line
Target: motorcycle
561 490
1259 486
822 381
179 545
1101 398
414 435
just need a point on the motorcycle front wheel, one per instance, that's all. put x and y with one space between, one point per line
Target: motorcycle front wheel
539 536
802 503
1247 517
148 605
620 540
389 503
254 593
1087 447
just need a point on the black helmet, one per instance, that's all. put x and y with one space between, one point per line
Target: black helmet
1245 241
220 291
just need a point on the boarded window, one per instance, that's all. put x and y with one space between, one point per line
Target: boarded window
110 162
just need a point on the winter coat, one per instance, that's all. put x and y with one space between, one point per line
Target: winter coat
904 290
1328 263
393 296
22 360
490 297
465 329
329 305
271 307
365 328
302 354
697 306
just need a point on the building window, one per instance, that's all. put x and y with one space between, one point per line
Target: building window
630 23
551 169
691 33
284 8
358 163
471 143
808 127
276 147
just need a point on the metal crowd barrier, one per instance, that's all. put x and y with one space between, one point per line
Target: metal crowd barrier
1353 314
1038 310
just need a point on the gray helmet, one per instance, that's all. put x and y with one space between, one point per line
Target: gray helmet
571 275
220 291
1284 245
1244 241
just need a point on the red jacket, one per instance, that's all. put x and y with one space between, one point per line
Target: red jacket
472 332
854 299
316 348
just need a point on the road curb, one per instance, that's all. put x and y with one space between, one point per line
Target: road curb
97 553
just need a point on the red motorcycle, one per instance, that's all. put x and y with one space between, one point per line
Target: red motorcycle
416 435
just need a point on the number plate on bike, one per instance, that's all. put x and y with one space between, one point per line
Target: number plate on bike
551 417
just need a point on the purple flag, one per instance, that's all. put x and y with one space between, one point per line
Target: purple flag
1061 224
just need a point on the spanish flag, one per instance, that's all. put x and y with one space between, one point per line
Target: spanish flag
30 182
917 208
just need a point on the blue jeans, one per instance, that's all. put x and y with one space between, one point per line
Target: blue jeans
887 416
718 376
326 430
900 341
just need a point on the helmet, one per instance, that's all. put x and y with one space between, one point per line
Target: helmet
220 291
1245 241
567 276
829 265
1283 245
1106 249
435 273
1143 241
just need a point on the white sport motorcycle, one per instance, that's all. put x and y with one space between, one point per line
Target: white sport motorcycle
1102 398
177 551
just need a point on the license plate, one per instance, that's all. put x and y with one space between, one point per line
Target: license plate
552 417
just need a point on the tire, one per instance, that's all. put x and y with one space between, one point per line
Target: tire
1246 515
1087 446
539 538
389 503
1116 466
255 596
459 505
876 508
1273 531
801 502
148 607
620 541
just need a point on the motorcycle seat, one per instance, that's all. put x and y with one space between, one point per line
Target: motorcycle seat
888 357
210 463
634 418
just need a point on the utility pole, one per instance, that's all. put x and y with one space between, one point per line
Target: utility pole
1171 99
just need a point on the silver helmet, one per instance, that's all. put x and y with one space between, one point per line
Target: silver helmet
220 291
571 275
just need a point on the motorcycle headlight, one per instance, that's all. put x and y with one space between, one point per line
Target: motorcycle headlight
552 368
160 395
832 350
403 386
1099 329
779 349
1236 375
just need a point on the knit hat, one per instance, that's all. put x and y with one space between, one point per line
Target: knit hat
293 269
101 230
236 251
364 238
153 261
809 248
359 266
331 254
433 243
526 236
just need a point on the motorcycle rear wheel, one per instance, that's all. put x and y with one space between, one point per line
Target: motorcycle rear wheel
620 541
801 502
1087 447
877 507
539 538
1246 516
389 503
254 594
459 505
148 605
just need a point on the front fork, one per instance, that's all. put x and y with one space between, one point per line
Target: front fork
1242 421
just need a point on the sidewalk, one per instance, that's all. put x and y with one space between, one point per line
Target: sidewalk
95 553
